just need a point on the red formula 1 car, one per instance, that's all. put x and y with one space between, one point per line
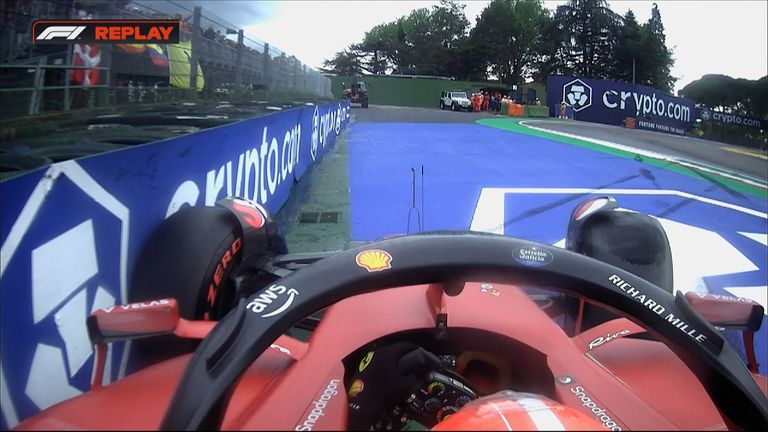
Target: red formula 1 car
446 331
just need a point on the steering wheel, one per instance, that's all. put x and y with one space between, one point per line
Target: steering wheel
203 392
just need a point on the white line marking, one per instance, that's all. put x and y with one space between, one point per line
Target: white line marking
689 164
489 212
506 423
541 415
758 237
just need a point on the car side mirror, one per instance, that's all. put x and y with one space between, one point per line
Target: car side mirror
132 321
725 311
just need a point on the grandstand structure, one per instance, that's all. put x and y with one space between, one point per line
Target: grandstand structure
231 64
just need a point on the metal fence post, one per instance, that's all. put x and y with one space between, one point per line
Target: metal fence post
195 50
239 65
296 70
267 72
37 93
67 62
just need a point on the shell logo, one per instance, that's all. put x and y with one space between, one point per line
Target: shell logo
356 388
374 260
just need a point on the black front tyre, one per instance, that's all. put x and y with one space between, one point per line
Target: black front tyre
191 257
364 103
442 105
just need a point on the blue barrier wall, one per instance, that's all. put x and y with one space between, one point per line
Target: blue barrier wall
610 102
71 232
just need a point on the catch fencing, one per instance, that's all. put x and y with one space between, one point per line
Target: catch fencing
231 65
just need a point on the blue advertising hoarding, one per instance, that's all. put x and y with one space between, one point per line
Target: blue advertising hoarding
721 117
611 102
71 232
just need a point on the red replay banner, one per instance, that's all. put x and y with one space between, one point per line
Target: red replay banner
105 31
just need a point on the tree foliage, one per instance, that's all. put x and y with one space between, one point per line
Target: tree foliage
506 36
732 95
589 28
657 58
515 40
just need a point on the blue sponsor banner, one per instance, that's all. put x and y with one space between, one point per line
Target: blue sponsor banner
611 102
721 117
72 231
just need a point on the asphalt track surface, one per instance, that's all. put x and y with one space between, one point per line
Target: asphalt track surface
693 149
394 114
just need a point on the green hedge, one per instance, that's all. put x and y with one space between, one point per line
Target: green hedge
412 92
536 111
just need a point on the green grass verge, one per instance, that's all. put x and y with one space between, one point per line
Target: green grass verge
513 125
417 92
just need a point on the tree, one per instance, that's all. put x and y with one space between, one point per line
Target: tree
344 63
426 41
506 36
628 56
724 93
737 96
381 48
551 53
591 28
658 59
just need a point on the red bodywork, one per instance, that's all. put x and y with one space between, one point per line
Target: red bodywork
630 383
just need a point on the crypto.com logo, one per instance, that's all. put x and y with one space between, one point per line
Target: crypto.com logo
66 32
315 133
64 281
577 94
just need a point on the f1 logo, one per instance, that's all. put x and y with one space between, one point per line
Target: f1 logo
67 32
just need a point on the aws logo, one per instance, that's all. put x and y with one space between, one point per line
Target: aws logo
271 295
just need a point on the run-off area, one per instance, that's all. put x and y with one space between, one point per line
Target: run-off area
498 181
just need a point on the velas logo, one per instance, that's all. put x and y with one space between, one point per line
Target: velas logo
105 31
577 94
374 260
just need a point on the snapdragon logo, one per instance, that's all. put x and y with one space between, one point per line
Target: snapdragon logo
318 408
598 412
645 104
